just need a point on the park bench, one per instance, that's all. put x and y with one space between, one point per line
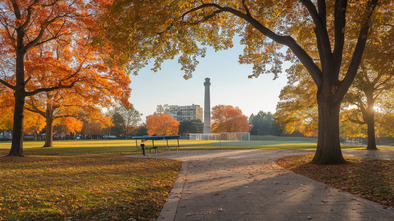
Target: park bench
144 147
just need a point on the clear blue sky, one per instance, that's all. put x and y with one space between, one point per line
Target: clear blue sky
230 85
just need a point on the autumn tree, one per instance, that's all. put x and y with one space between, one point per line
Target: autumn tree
375 79
34 124
226 118
97 83
49 40
186 27
69 109
67 126
6 119
6 110
297 108
162 124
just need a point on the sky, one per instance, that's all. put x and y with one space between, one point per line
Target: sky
230 85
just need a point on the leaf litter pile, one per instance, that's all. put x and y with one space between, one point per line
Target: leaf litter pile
370 179
88 187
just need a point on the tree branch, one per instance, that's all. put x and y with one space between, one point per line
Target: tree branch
31 93
357 54
44 26
34 107
321 5
339 25
320 30
246 8
301 54
7 84
28 16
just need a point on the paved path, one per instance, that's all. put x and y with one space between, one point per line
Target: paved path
247 185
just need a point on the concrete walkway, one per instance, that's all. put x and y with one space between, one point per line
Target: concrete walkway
248 185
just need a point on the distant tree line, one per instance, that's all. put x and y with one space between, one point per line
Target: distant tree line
264 124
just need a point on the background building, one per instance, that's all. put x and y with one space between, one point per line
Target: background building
183 113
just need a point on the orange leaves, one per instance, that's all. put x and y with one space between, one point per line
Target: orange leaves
71 125
162 124
226 118
33 123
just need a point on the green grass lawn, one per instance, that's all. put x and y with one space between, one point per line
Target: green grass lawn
71 147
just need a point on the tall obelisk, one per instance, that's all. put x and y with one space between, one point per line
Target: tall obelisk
207 107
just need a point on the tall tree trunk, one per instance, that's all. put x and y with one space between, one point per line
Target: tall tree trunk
328 149
49 132
19 94
17 133
370 120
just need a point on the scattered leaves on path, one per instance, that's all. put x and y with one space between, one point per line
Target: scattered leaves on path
371 179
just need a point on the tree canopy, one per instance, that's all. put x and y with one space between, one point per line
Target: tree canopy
185 28
226 118
264 124
46 46
161 124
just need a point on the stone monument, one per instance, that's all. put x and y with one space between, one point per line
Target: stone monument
207 107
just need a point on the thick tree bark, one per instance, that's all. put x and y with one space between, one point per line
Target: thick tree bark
17 133
49 132
370 120
19 94
328 149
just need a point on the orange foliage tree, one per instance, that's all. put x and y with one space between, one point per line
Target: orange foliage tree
226 118
68 125
34 123
6 110
162 124
49 45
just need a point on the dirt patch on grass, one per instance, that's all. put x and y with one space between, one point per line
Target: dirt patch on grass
370 179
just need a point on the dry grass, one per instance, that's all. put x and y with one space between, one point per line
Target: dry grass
87 187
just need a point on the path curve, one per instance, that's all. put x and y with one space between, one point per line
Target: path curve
248 185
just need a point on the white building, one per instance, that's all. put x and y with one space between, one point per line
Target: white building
183 113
